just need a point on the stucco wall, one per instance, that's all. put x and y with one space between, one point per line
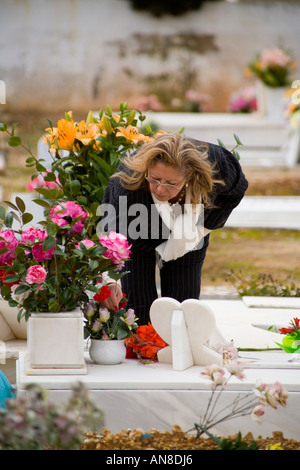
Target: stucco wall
81 54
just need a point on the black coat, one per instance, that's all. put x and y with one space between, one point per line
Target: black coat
224 198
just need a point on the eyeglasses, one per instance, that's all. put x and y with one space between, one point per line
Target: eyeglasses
168 186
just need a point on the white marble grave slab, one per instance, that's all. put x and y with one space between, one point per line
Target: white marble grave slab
134 395
271 302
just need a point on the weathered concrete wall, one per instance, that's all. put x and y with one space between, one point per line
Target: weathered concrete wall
82 54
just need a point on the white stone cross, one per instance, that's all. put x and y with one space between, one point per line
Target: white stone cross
187 328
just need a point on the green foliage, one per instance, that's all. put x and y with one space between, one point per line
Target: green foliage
233 150
263 285
237 444
85 155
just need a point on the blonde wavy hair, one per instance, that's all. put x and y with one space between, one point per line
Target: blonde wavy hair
180 153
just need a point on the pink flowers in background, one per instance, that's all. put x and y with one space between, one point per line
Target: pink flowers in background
193 101
36 274
118 248
63 214
274 56
39 182
148 103
243 101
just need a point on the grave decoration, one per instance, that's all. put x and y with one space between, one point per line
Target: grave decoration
291 341
189 328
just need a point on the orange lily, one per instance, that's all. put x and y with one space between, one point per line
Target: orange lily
131 134
87 132
63 135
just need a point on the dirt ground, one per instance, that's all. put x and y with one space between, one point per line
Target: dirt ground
257 251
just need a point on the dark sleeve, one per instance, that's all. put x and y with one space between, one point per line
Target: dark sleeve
224 197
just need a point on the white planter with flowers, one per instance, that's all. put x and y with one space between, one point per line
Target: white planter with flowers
272 68
107 329
48 273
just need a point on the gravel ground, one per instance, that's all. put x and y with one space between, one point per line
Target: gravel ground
174 440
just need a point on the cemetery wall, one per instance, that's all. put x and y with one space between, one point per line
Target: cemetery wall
82 54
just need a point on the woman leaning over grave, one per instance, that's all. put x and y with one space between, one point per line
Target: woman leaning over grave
166 198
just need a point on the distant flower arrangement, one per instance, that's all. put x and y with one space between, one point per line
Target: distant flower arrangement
243 101
273 67
291 342
148 103
193 101
292 107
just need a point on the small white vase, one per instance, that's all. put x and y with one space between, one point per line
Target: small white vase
270 101
112 351
55 343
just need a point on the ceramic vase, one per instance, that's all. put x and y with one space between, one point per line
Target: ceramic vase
55 343
107 351
270 101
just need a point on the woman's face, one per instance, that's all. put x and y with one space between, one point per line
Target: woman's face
168 181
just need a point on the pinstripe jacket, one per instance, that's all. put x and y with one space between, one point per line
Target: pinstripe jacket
224 198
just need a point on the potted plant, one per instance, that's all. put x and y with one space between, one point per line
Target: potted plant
48 272
108 329
272 69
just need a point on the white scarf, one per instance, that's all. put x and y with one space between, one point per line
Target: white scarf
185 235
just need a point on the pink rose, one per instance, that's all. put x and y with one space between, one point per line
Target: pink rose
64 214
86 242
36 274
118 248
31 237
9 242
274 57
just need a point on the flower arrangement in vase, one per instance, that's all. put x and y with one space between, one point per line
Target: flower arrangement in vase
47 273
273 67
52 267
243 101
107 329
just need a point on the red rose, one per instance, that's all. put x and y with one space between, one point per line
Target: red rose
104 293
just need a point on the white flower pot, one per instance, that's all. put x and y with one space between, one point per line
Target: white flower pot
270 101
55 343
107 351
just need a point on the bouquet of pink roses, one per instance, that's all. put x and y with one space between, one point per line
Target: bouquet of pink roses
52 267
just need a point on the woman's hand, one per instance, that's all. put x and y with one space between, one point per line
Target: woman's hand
113 301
